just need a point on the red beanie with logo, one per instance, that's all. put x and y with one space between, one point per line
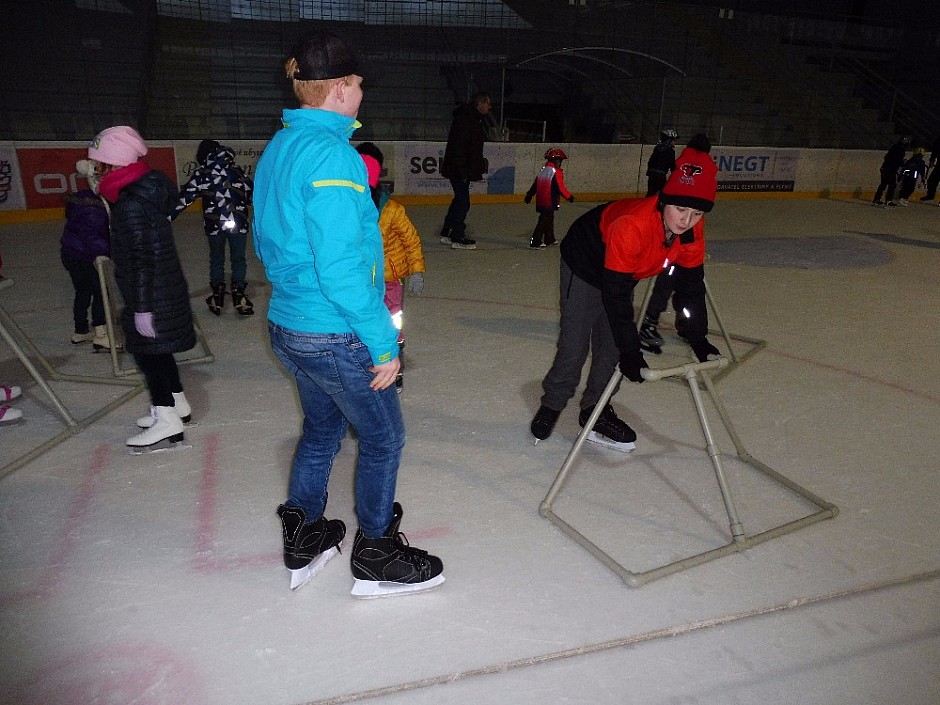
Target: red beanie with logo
693 183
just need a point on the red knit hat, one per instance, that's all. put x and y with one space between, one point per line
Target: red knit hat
693 183
373 169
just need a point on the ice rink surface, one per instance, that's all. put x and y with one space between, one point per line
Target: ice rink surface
158 580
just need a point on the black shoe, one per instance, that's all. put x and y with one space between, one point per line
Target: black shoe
307 547
544 423
241 302
445 235
462 243
389 566
609 430
536 245
878 203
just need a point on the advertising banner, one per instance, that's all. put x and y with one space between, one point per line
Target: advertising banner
11 190
417 169
742 169
48 174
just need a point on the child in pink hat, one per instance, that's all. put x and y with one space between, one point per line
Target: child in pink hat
157 319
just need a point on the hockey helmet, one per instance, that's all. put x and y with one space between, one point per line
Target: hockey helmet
555 155
669 134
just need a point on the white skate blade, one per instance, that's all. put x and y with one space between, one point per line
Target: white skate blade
370 589
598 439
159 447
302 576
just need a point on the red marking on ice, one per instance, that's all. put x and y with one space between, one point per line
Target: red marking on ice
206 529
51 577
868 378
432 532
124 673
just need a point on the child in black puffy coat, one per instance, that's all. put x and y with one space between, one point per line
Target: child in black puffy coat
157 319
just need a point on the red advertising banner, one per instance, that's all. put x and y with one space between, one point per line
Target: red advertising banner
48 174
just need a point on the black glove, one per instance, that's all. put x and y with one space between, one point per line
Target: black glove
630 365
528 198
571 199
703 350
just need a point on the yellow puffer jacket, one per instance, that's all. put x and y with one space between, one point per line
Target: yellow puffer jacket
403 254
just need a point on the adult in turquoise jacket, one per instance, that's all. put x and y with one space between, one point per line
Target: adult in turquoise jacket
317 234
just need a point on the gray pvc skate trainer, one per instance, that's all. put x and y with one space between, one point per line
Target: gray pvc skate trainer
693 372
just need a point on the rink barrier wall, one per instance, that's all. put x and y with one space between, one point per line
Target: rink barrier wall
35 176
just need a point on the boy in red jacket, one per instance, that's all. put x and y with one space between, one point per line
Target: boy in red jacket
605 253
548 188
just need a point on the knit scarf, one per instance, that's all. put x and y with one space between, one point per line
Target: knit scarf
112 182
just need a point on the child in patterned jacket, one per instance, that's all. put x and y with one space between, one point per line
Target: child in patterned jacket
226 194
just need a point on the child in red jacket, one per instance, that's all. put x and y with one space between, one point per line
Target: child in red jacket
548 189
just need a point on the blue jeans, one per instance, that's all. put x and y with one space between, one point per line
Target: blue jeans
455 220
236 249
332 375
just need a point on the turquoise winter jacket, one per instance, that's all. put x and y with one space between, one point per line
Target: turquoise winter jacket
316 232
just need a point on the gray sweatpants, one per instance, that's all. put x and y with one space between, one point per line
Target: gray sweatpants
584 328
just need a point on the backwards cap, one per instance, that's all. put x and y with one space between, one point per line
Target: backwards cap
321 55
118 146
693 183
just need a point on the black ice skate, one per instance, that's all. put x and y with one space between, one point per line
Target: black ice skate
609 430
308 547
458 242
241 302
388 566
544 423
216 301
650 339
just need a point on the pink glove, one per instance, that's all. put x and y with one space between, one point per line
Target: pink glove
143 322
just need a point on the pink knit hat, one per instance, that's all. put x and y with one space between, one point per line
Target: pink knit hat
373 169
118 146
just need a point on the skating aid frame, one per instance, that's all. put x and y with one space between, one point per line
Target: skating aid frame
740 541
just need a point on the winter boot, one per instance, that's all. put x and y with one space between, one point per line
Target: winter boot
609 430
216 300
167 426
179 404
241 302
650 339
308 547
389 566
544 423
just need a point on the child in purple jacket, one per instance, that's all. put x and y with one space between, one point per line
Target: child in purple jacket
85 237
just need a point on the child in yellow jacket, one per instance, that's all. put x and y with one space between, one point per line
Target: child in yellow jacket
404 258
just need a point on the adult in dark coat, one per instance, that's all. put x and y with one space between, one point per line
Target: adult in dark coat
463 163
890 166
157 318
